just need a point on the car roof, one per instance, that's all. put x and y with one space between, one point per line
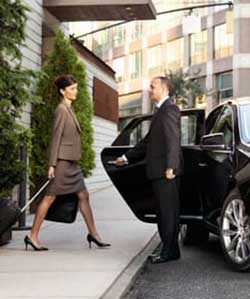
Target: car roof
236 101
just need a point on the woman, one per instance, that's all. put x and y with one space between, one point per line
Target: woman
65 151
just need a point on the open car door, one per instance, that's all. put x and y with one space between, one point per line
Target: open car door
131 180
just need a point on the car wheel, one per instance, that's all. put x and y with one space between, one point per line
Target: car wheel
235 233
193 234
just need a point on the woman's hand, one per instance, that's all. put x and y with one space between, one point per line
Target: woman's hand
51 172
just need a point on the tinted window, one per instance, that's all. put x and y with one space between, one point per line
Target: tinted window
188 129
245 123
224 124
139 132
212 118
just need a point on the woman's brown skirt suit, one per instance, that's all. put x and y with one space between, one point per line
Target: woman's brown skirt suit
65 152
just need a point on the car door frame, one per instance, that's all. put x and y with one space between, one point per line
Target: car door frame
145 210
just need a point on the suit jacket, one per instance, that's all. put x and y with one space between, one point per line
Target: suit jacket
162 144
65 141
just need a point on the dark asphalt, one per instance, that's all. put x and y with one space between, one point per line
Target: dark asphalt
201 273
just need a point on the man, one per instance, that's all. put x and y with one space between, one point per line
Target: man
164 165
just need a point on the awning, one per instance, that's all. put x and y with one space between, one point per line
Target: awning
100 10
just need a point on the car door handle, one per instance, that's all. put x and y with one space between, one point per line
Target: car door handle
202 164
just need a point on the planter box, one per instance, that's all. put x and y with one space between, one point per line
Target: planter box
6 237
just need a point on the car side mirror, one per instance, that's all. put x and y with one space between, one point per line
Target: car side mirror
215 141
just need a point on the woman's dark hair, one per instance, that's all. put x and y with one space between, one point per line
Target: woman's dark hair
64 81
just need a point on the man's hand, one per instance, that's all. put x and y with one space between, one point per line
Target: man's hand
169 174
120 161
51 172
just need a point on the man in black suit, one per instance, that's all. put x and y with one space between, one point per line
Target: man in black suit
164 165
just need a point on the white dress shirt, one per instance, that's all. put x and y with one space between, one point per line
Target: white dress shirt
158 104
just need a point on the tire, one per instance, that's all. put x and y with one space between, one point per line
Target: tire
235 233
193 234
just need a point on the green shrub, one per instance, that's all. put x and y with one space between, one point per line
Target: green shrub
15 85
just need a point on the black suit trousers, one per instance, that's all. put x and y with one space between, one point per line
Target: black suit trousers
167 209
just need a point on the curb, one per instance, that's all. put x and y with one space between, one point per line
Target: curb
127 277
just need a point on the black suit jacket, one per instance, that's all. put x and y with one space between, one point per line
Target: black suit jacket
162 144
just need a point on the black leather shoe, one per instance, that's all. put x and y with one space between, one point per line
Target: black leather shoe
28 241
163 259
90 239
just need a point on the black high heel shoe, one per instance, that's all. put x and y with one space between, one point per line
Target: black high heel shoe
28 241
90 239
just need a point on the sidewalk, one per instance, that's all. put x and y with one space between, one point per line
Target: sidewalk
71 270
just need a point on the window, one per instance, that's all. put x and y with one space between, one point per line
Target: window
100 42
118 36
223 42
135 30
130 104
135 65
224 82
118 66
175 50
139 132
154 60
188 129
245 123
224 124
199 47
210 121
201 101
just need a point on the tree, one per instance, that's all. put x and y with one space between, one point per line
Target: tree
15 83
62 60
185 90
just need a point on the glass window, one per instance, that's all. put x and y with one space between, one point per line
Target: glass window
154 60
135 65
223 42
210 121
201 101
175 54
199 47
224 82
224 124
130 104
245 123
118 66
118 36
100 42
188 129
139 132
135 30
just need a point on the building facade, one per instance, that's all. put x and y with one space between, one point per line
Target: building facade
218 55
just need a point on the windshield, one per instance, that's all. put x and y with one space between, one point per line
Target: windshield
245 123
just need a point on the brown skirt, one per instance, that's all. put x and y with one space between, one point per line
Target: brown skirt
68 179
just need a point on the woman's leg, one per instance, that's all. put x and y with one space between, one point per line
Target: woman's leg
40 215
86 211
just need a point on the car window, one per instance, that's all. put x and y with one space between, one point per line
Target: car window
212 118
245 123
224 124
139 132
188 129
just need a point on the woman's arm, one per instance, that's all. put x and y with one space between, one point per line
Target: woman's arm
56 134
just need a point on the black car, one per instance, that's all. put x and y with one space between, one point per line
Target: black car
215 187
